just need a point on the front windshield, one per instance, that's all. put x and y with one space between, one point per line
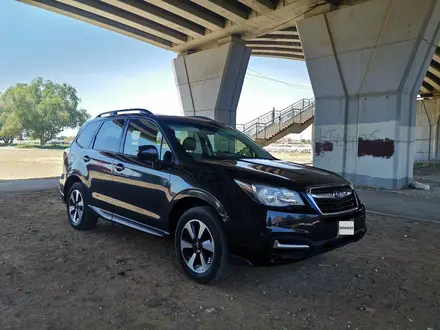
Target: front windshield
213 141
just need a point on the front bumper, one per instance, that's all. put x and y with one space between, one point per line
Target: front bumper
292 252
294 237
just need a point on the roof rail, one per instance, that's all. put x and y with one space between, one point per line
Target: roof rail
125 111
203 117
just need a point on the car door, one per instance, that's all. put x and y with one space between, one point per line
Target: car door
141 188
100 160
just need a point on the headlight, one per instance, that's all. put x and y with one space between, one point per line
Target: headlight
271 196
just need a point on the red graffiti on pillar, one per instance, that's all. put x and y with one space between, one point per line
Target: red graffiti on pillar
323 146
383 148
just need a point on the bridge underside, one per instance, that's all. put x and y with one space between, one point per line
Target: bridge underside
268 27
367 60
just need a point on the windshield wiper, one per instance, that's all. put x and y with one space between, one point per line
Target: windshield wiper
199 156
228 153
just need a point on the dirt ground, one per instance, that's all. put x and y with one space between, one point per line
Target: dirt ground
16 163
53 277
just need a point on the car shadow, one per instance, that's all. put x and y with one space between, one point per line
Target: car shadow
244 278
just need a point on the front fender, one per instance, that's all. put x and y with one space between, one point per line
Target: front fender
202 195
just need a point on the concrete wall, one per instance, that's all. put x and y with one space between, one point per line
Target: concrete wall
427 144
366 64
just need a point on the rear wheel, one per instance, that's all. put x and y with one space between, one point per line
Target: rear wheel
201 245
78 213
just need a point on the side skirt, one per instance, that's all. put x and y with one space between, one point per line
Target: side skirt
110 216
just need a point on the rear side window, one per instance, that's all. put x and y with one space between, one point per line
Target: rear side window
140 133
86 135
109 136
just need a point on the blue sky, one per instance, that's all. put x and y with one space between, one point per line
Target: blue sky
113 71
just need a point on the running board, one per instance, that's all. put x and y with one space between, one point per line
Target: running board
110 216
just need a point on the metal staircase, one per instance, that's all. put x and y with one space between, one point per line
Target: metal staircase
276 124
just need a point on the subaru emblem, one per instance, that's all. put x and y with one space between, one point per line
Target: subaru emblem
338 194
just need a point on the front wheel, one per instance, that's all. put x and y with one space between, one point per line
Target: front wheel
201 245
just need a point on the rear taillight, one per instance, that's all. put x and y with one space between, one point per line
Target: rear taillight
65 161
66 153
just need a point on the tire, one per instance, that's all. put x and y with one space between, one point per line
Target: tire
212 247
78 212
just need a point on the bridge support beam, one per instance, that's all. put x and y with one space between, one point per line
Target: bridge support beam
210 81
428 130
366 64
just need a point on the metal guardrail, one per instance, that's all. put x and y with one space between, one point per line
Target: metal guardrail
273 122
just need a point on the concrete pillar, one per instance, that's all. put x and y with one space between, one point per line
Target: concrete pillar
366 63
427 144
210 81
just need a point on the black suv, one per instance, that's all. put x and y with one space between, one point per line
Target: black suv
210 186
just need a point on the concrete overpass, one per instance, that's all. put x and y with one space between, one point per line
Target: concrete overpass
268 27
367 60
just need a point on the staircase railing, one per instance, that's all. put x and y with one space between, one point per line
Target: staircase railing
273 122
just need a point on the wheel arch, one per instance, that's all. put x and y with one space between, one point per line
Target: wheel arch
71 180
190 198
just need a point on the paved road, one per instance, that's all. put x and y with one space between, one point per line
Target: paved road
12 186
400 204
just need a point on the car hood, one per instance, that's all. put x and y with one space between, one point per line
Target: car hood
268 171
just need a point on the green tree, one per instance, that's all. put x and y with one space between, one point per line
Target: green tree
10 124
45 108
10 127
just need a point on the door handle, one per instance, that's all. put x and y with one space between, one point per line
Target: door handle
86 158
119 167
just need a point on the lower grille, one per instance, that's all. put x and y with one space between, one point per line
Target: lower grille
334 199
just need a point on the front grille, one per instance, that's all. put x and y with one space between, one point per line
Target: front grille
334 199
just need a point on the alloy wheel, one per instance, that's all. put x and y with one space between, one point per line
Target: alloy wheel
197 246
76 207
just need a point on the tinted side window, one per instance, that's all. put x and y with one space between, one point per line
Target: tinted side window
86 135
140 133
109 136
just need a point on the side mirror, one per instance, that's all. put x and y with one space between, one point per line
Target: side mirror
148 152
